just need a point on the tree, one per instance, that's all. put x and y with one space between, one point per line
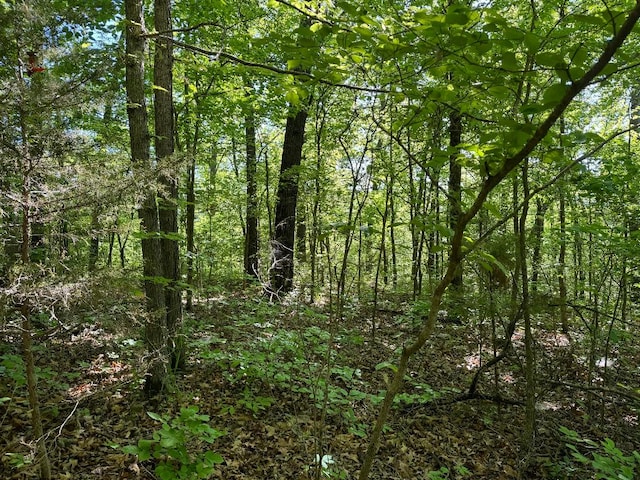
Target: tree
251 254
508 162
168 205
282 243
155 325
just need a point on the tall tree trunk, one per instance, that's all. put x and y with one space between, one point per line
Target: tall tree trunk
530 364
315 245
26 244
281 274
190 209
190 223
164 147
251 240
455 184
155 326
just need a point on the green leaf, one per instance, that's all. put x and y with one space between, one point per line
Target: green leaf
155 416
348 8
609 69
553 156
533 108
292 96
388 365
316 27
550 59
213 457
509 61
554 93
457 15
293 64
531 42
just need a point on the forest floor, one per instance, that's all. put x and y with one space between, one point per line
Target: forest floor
293 394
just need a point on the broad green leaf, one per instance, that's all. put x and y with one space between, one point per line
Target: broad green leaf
214 457
500 92
293 64
292 96
609 69
348 8
422 17
550 59
364 31
457 15
316 27
509 61
554 93
533 108
532 42
553 156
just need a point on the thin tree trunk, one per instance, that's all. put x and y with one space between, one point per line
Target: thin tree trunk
155 326
562 283
455 184
530 365
538 230
251 265
27 242
320 121
94 246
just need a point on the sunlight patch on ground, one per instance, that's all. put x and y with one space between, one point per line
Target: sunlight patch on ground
542 406
105 369
471 362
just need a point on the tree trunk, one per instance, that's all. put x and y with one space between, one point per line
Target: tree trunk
26 244
251 265
455 184
94 246
190 226
155 327
168 211
530 364
538 230
281 274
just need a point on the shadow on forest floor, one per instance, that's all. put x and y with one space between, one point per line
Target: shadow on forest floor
293 388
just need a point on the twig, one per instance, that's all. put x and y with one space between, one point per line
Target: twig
594 388
66 420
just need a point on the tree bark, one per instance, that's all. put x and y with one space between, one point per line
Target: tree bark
538 230
281 274
164 146
251 266
155 327
455 183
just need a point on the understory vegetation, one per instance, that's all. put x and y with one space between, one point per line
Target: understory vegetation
287 391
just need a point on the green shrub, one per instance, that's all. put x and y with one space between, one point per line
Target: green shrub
169 445
607 461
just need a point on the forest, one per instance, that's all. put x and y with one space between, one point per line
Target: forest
319 239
